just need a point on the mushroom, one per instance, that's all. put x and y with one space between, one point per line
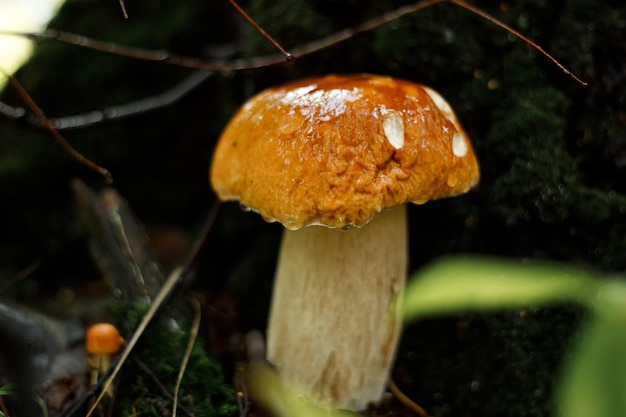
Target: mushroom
102 341
335 159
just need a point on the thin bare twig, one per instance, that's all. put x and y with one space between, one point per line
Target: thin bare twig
146 104
14 279
268 60
123 7
404 399
146 369
218 64
133 108
30 103
288 56
243 401
504 26
193 334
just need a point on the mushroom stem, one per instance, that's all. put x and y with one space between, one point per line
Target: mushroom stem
335 318
100 365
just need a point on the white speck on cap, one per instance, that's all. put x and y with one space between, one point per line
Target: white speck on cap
459 146
394 129
441 104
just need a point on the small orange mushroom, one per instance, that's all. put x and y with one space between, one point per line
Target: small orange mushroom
103 341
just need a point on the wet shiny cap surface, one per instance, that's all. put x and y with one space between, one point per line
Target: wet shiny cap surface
336 150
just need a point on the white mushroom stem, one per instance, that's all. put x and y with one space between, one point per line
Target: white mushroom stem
335 317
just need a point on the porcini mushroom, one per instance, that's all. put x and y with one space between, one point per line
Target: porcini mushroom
346 153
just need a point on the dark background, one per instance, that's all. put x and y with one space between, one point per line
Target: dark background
552 153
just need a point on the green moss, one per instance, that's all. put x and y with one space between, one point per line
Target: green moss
203 390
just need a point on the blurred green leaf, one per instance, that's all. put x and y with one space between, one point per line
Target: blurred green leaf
475 283
8 389
594 380
267 389
610 300
594 383
42 405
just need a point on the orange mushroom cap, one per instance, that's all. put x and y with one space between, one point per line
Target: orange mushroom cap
337 150
103 339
